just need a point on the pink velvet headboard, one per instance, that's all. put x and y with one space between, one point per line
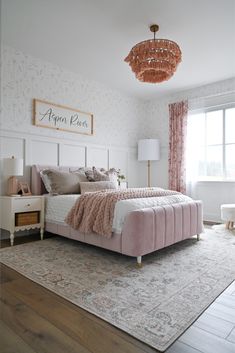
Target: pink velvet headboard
36 181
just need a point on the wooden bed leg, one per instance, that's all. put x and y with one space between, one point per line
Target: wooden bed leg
198 237
139 261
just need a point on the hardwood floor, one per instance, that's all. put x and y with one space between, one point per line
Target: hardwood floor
34 319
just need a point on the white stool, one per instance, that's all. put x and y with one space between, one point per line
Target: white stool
228 214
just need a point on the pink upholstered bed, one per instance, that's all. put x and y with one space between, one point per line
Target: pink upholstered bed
144 230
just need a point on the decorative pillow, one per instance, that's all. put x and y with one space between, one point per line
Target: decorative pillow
46 181
105 175
62 182
100 176
81 175
86 171
79 170
97 186
90 174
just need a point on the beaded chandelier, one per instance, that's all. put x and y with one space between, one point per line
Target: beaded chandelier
154 60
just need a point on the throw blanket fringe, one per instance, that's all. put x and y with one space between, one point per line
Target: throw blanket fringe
94 212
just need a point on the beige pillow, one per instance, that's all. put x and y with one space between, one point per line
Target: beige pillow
46 181
81 175
62 182
97 186
80 170
105 175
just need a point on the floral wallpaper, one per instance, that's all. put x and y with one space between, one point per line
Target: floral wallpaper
118 119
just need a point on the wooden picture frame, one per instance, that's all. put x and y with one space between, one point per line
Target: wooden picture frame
25 189
60 117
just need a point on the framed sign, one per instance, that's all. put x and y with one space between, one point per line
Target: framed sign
59 117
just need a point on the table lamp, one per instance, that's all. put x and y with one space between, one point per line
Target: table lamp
148 150
13 167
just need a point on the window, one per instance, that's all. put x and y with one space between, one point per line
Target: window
211 144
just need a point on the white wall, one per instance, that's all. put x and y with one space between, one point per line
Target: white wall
119 122
212 194
116 118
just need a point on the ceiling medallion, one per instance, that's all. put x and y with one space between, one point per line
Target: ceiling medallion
154 60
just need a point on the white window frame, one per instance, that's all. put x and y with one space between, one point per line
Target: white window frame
223 177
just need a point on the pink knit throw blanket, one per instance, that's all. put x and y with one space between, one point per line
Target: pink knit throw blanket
93 212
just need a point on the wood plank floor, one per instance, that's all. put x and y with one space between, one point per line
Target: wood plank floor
33 319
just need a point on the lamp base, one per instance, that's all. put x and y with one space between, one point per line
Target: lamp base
12 186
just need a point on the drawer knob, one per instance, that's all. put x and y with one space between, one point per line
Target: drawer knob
28 204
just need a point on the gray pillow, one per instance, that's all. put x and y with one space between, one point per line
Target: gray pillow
104 175
90 174
97 186
86 171
62 182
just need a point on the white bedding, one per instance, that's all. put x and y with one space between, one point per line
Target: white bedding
57 207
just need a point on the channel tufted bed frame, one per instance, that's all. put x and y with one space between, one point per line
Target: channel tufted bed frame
144 231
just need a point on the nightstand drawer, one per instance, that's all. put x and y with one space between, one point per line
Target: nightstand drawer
26 218
25 205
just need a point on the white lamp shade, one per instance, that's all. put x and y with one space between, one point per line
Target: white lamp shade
13 166
148 150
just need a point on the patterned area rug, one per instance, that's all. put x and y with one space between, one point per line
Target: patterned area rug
155 303
221 229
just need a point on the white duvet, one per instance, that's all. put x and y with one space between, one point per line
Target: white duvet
57 207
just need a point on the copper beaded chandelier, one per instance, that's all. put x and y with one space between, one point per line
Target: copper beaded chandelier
154 60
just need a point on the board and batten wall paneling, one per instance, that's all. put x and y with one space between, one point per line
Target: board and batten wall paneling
72 155
98 157
44 152
35 149
10 146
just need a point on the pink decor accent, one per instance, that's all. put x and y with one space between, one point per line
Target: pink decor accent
144 231
93 211
177 142
154 60
12 186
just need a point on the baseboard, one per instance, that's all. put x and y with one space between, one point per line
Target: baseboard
209 217
210 223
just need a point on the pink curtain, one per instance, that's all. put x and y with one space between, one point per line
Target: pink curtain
177 141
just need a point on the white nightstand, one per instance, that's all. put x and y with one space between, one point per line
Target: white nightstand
21 213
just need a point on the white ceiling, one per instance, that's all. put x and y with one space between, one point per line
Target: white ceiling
92 38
